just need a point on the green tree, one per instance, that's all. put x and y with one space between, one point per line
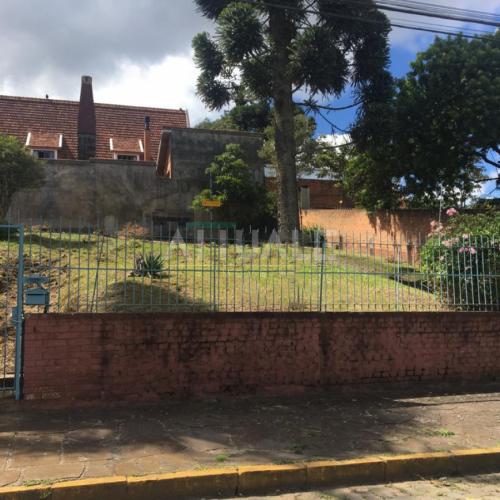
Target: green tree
18 170
270 51
243 198
442 126
306 146
245 116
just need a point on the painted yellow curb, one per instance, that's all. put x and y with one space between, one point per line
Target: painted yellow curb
345 472
265 478
246 480
215 483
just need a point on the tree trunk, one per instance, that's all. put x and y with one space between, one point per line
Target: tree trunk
281 31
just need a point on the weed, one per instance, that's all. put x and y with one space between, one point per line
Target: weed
445 433
221 458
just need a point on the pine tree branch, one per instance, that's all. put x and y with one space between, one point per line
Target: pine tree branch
314 106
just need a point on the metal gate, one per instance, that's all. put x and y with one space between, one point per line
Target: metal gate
11 309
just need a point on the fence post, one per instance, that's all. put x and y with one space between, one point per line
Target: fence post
323 250
19 316
398 274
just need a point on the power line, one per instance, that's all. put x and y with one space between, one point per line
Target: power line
436 14
372 20
440 8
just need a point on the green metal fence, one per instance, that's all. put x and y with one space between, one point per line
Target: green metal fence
191 269
11 309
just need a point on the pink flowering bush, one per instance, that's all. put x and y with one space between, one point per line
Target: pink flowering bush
461 260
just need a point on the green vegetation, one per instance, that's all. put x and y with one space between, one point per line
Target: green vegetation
445 433
241 196
463 259
93 272
313 235
265 53
151 265
18 170
441 126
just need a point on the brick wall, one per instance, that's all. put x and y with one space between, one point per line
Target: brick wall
323 194
383 225
150 356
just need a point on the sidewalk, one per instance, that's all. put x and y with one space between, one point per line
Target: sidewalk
454 488
40 445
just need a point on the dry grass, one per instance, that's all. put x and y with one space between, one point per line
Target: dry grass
95 273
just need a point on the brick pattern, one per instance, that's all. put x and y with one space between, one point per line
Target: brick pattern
151 356
382 225
323 194
20 115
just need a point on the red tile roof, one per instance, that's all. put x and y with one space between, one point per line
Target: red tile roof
124 145
49 140
20 115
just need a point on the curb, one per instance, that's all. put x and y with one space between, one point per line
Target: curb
248 480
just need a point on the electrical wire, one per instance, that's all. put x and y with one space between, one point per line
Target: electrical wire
419 27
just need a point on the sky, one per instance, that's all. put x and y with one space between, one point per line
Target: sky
138 53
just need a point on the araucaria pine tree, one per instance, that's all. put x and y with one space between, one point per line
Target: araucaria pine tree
276 49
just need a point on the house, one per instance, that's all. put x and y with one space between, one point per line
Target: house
80 130
314 193
121 164
112 163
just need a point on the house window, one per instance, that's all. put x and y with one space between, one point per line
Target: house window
127 157
45 154
305 199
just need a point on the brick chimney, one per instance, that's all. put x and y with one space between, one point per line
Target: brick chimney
147 139
86 121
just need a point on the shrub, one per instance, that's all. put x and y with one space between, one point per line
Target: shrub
313 236
18 170
133 231
243 199
463 260
150 265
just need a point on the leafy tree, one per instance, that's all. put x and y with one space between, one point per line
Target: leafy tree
441 125
271 50
18 170
246 116
305 143
311 154
449 105
243 199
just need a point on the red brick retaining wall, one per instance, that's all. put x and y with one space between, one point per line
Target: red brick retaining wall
150 356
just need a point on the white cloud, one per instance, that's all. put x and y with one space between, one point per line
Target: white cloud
335 139
167 84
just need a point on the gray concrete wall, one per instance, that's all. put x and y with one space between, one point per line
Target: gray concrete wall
117 192
194 149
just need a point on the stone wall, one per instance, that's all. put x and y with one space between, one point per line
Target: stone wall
114 193
153 356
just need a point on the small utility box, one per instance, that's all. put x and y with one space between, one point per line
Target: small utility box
38 295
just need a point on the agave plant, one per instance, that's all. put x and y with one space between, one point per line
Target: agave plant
149 265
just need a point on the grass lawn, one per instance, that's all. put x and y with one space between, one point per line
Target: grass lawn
91 272
95 273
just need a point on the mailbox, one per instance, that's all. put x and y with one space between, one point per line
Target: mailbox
37 297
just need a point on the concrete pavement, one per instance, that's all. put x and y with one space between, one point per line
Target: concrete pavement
40 445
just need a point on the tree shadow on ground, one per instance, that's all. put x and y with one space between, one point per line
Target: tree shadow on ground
333 423
144 294
54 243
